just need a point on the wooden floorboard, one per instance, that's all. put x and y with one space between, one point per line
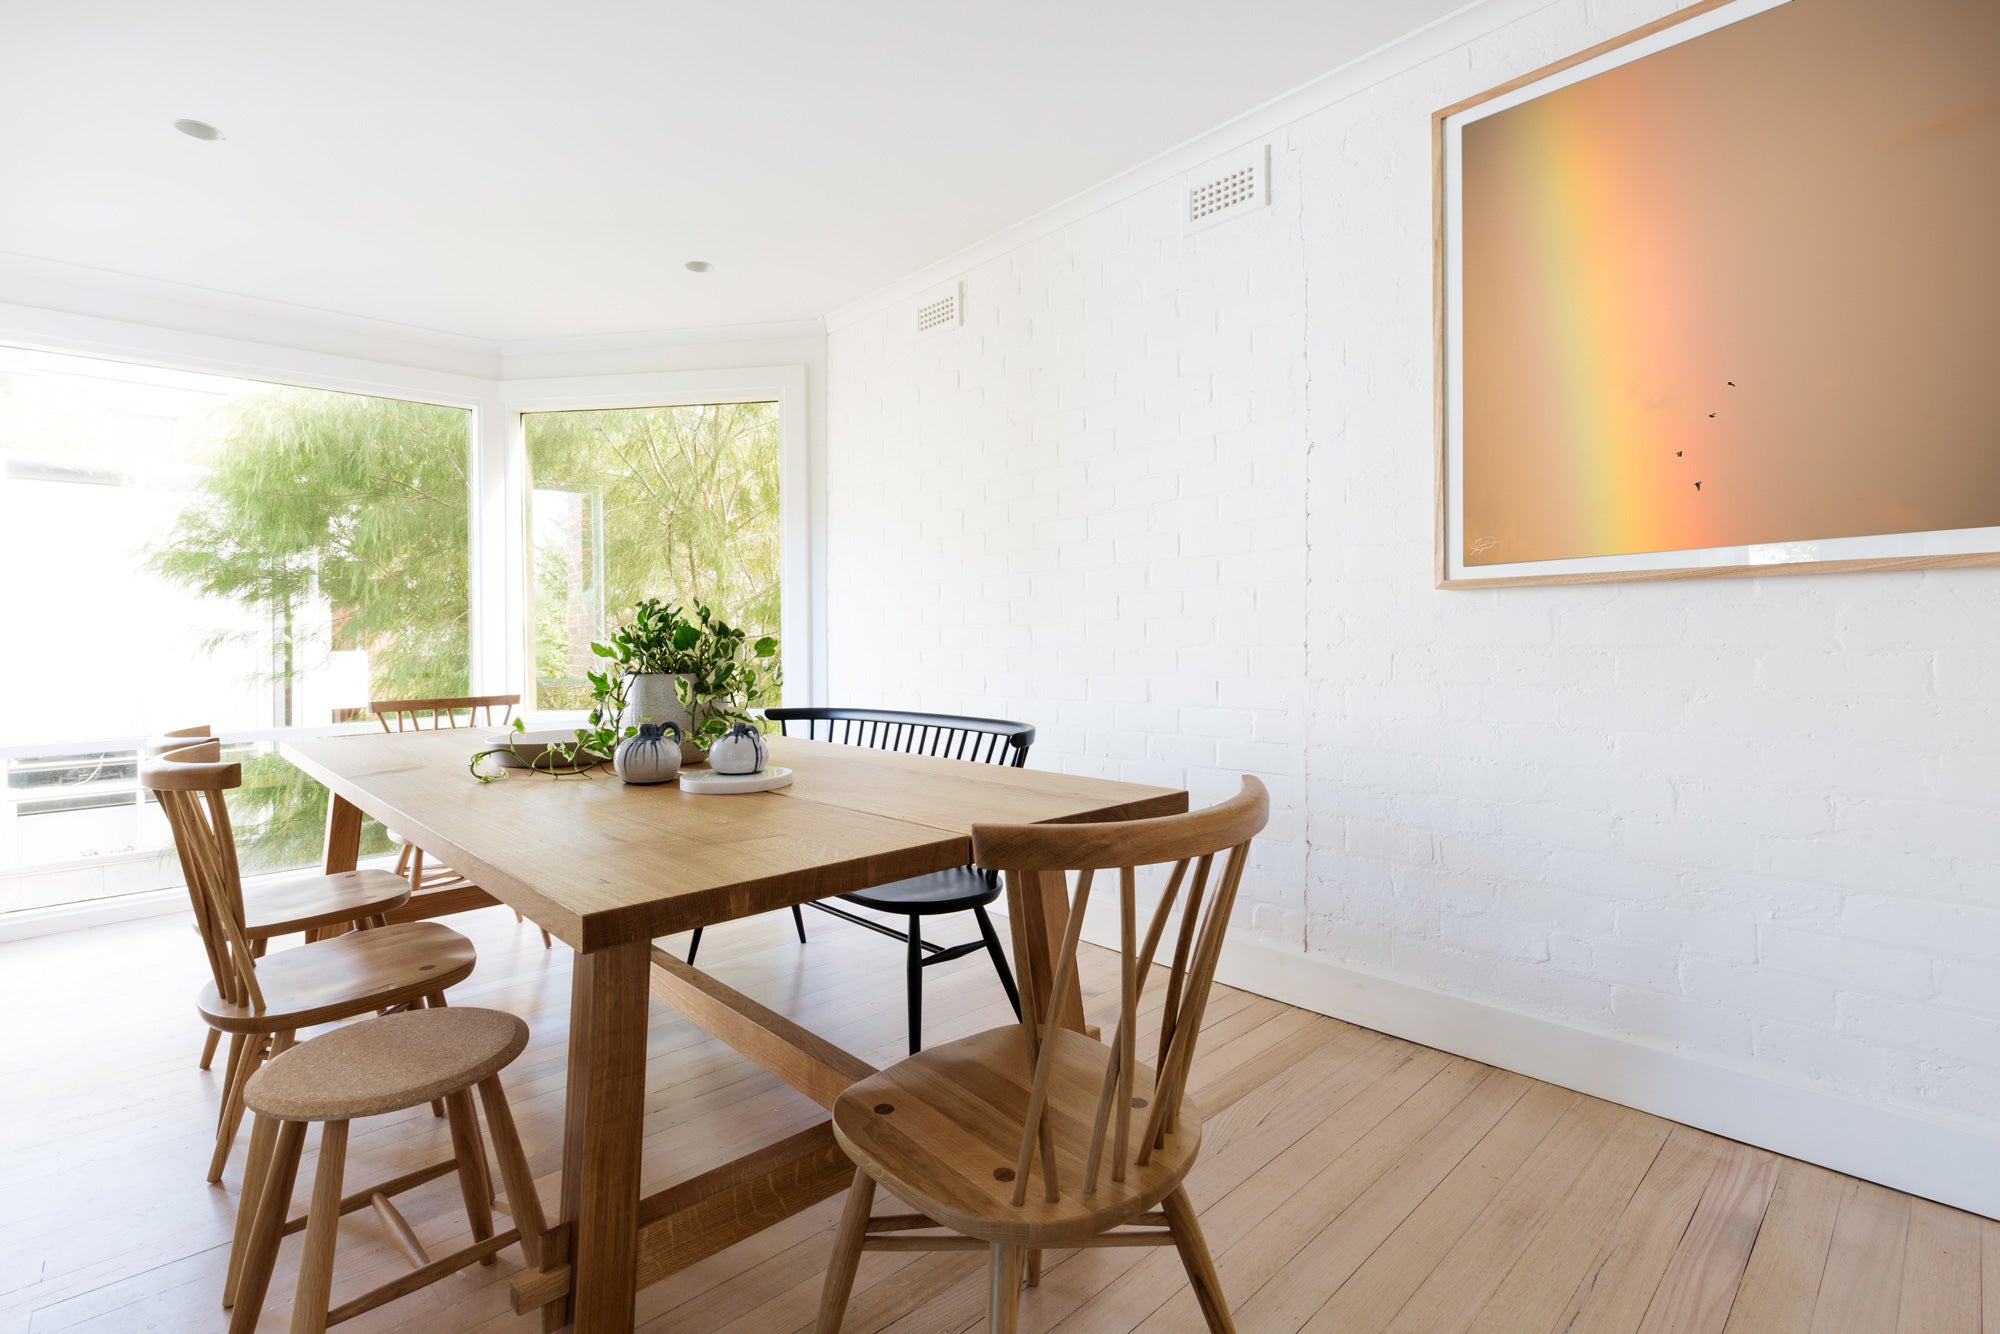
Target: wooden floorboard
1348 1181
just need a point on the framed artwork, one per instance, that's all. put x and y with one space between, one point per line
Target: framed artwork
1722 296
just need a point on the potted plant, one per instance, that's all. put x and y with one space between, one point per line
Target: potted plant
642 659
668 666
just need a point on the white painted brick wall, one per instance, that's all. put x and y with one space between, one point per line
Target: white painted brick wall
1170 499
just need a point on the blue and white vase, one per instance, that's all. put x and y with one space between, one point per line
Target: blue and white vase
740 750
649 757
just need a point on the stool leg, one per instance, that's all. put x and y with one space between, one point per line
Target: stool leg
522 1199
999 959
693 946
256 1170
914 966
846 1254
799 921
436 1002
267 1228
472 1180
322 1227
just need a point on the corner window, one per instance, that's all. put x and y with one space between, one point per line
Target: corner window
187 548
679 503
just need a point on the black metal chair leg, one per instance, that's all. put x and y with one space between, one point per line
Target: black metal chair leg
999 959
799 921
694 945
916 971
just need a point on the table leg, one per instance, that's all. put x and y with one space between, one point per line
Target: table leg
603 1132
343 835
1038 910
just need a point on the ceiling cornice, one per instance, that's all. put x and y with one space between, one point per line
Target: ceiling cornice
1344 81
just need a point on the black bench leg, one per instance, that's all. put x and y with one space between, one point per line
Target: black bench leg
799 921
694 945
916 971
999 959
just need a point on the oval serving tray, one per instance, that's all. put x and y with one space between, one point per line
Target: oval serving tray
712 783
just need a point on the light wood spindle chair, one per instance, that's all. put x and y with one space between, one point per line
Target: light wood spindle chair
385 1065
1023 1138
435 889
307 904
260 1000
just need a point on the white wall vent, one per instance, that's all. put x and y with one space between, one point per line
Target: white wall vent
941 309
1231 185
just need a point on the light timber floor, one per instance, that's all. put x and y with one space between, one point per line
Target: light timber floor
1348 1181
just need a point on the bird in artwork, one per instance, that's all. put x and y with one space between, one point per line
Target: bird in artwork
1711 415
1697 486
1679 452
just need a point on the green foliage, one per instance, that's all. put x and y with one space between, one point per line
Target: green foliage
279 815
362 502
605 727
687 501
557 759
658 638
729 677
724 674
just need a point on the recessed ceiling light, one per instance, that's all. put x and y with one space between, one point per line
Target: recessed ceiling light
198 129
698 266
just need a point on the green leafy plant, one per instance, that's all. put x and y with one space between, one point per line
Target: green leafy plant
659 638
557 760
724 675
732 677
605 727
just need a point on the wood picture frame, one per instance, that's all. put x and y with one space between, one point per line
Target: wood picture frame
1455 566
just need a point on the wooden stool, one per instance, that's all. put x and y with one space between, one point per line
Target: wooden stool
261 999
368 1069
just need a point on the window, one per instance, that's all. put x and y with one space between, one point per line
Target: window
186 548
679 503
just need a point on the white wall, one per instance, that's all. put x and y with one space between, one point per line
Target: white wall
1724 849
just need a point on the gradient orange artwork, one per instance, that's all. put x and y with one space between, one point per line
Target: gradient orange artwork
1744 290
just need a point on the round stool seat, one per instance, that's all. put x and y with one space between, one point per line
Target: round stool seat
387 1064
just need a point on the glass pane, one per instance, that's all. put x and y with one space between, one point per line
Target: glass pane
676 503
184 548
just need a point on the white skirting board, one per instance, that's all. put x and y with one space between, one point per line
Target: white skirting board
1947 1161
1950 1162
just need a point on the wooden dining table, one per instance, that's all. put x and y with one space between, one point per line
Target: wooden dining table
609 868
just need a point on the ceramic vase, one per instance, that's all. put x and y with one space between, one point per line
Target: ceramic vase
650 757
740 750
652 697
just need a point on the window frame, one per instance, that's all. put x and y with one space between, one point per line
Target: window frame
783 385
498 575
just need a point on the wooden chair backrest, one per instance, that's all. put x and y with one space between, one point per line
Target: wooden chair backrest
411 714
1030 853
982 740
186 772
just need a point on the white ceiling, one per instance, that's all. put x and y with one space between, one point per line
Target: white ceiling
520 170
